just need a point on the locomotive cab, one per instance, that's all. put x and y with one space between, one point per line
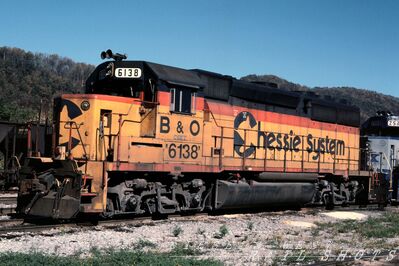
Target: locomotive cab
111 135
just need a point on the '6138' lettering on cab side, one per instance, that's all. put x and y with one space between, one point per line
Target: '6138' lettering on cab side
180 130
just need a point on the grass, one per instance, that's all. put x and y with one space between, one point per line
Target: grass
143 243
123 257
182 249
275 242
223 231
385 226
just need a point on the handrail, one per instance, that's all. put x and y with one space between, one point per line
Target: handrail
70 135
347 161
334 162
266 147
121 123
390 169
131 105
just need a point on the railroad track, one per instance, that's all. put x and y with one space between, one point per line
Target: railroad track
20 225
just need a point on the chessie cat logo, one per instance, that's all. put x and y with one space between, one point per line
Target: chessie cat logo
280 141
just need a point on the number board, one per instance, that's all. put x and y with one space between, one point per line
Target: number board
393 123
128 72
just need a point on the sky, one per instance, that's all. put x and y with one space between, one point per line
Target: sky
313 42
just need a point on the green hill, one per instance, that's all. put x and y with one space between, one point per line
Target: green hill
30 80
369 102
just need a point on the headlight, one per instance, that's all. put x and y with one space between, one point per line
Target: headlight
85 105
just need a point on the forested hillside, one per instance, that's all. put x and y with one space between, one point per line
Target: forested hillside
30 80
27 79
369 102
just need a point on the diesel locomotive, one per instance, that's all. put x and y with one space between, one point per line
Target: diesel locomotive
382 157
147 138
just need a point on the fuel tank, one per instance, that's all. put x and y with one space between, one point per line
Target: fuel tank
234 195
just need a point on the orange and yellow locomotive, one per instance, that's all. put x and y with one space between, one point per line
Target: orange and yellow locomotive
147 138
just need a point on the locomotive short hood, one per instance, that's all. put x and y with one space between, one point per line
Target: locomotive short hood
168 74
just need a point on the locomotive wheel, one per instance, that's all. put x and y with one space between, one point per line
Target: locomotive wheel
109 209
110 205
328 201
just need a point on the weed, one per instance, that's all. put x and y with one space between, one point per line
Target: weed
374 227
142 243
177 230
250 225
381 227
209 245
276 261
226 245
223 231
315 231
200 231
181 249
274 243
95 251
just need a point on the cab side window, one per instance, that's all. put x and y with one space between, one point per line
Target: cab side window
182 100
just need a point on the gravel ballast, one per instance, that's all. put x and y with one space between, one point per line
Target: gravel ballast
260 238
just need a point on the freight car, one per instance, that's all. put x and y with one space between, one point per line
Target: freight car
153 139
17 141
